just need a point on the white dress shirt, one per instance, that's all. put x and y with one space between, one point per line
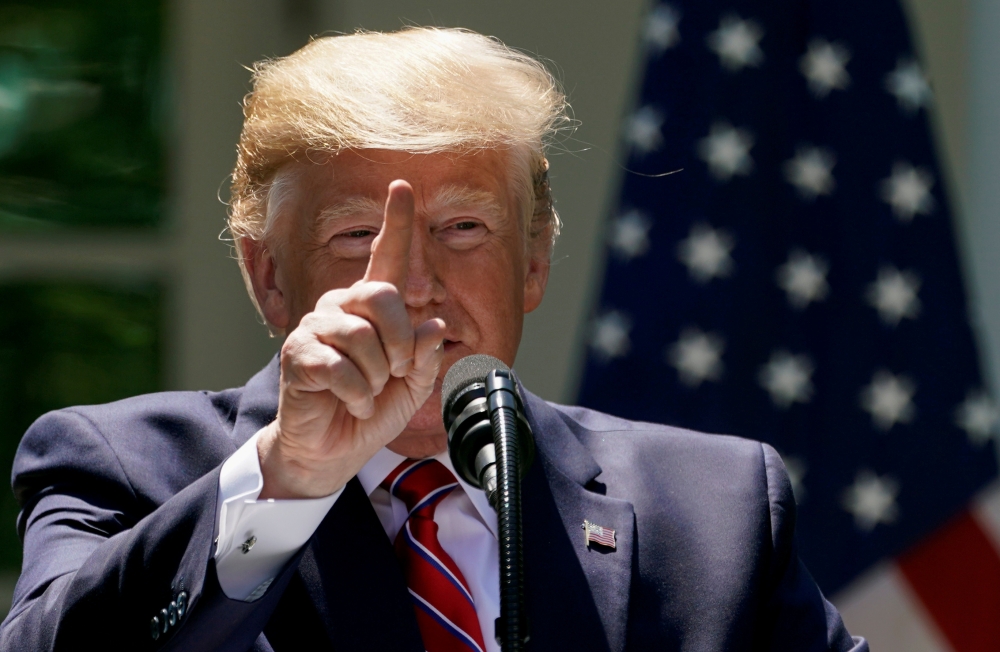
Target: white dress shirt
272 531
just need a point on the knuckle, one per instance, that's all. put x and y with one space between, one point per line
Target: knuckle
293 347
383 295
332 299
314 361
339 368
344 379
309 323
359 331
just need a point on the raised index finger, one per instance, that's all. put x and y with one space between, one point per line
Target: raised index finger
390 259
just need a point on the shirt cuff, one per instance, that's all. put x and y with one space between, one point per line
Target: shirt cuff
256 538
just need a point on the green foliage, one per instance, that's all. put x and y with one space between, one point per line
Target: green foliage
69 343
81 97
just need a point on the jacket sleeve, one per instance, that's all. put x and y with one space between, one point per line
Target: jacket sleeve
103 564
796 616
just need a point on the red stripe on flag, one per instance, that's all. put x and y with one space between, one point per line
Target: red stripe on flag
956 574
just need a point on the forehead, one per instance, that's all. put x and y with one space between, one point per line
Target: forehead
352 175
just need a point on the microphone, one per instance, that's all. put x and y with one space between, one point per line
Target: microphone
491 447
481 406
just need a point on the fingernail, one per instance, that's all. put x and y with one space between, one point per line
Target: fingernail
370 412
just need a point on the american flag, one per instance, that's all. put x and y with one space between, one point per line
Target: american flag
797 283
596 534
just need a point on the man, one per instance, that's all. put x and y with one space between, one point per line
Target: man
392 214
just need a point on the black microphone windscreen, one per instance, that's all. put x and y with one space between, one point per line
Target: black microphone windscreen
468 370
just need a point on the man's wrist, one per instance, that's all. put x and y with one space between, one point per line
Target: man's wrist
289 478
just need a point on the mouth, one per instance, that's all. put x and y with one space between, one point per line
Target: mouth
453 351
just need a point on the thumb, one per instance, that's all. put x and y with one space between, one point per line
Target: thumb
428 353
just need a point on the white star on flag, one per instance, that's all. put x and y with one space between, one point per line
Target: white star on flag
823 65
889 399
908 83
727 151
797 469
609 335
908 191
803 278
736 43
978 417
629 235
871 499
705 252
642 130
661 28
787 378
811 171
697 356
894 295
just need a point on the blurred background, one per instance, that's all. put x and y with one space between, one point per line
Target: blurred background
118 124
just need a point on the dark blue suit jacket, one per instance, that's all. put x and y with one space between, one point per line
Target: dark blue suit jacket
119 508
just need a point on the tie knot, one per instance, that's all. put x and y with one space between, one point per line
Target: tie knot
420 484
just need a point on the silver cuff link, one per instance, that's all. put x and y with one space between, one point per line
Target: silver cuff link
247 545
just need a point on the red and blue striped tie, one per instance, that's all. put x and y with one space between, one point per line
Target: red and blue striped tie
442 600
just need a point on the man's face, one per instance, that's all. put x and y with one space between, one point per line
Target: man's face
468 261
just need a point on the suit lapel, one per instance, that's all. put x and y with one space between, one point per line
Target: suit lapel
350 571
578 598
258 404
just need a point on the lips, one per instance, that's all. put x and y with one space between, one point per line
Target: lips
453 351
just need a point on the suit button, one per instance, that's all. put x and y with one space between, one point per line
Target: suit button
172 611
182 603
164 622
154 628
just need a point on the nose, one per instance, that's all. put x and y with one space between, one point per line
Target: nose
423 283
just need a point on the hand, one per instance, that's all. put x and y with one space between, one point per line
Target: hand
353 372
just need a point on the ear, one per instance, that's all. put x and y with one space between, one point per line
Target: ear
262 272
536 276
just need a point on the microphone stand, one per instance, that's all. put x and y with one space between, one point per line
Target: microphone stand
491 447
511 627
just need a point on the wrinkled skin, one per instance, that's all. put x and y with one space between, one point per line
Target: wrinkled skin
384 268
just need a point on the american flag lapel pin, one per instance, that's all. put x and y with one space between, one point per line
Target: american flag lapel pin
594 533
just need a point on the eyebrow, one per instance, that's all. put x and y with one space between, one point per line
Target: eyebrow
459 196
453 196
351 206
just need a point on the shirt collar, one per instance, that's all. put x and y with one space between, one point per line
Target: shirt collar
381 465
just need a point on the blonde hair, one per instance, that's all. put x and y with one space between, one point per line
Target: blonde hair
418 90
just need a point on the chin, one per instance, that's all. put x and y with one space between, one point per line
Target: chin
425 435
427 421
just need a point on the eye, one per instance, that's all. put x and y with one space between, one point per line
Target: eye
356 233
466 226
353 242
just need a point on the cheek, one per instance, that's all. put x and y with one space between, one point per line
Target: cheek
327 273
492 269
317 274
490 287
